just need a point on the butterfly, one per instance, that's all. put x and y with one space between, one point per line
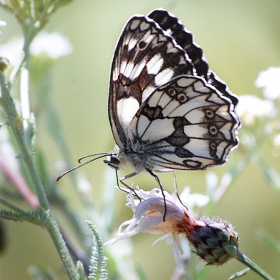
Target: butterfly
168 111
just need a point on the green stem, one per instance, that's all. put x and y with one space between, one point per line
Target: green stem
11 206
28 37
14 121
235 253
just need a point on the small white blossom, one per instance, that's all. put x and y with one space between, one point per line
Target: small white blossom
53 45
250 107
12 50
270 81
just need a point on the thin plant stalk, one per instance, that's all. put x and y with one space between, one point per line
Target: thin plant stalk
13 119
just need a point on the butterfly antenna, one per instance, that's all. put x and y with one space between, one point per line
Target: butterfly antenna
74 168
92 155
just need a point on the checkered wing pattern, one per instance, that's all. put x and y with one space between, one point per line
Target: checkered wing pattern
167 110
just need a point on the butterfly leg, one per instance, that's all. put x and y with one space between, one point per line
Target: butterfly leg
162 191
126 185
176 190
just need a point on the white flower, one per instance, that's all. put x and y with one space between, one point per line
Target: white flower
12 50
250 107
270 81
53 45
148 217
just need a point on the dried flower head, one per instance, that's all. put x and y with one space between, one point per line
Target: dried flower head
207 236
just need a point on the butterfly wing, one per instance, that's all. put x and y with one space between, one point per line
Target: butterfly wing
145 58
155 59
185 124
185 39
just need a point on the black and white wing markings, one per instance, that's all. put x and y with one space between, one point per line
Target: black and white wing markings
185 39
184 125
146 57
154 131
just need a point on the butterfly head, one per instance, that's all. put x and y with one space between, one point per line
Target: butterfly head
113 159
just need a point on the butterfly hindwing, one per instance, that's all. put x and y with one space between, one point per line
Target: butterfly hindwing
185 124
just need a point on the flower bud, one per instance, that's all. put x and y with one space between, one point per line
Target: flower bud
209 236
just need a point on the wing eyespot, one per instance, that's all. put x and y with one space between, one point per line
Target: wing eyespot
213 130
171 92
209 114
182 98
142 45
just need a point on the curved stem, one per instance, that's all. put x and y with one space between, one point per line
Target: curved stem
14 121
235 253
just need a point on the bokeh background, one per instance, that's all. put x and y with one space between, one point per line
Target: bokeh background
240 39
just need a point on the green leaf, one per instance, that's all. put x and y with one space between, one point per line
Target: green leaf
34 217
98 260
239 274
81 271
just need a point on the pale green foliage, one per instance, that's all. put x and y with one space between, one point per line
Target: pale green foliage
98 259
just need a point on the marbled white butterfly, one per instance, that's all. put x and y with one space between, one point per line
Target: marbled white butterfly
167 110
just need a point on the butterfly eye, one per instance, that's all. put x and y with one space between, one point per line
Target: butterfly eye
182 98
171 92
209 114
113 161
213 130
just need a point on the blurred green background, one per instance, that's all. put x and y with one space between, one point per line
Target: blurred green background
240 39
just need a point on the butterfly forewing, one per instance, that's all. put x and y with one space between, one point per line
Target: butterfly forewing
184 38
146 57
